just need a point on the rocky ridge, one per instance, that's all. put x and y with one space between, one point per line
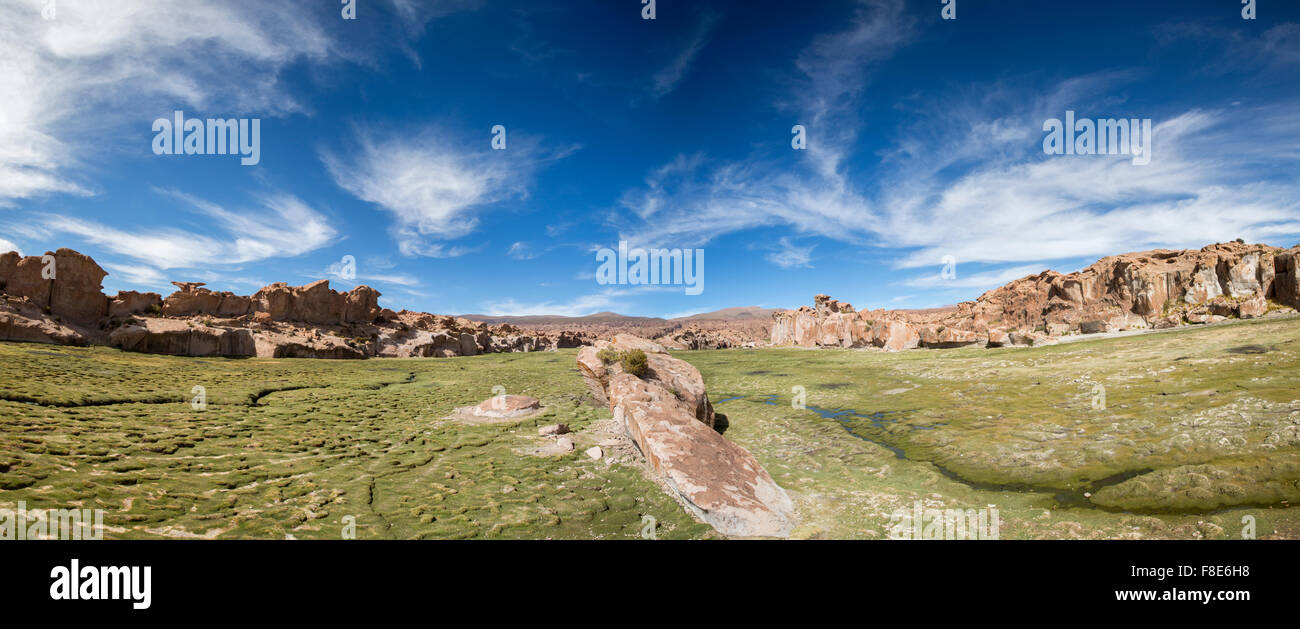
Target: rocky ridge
58 298
667 413
1134 291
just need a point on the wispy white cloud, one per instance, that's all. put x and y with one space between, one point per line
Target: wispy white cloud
987 279
521 251
580 306
359 275
788 255
101 66
138 276
433 187
693 199
1205 183
665 80
968 177
281 226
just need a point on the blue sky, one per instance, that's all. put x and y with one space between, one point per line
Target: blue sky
924 140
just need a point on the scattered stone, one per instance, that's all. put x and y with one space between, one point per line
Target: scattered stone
1252 308
553 430
508 406
595 452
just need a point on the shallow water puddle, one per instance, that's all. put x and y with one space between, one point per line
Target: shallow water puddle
1078 498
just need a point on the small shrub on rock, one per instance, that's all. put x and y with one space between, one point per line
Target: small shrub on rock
635 362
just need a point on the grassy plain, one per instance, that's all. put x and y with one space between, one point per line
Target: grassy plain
1177 434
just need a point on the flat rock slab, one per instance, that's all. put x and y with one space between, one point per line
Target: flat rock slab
499 409
720 481
507 406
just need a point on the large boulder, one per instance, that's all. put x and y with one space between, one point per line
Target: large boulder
317 303
191 299
129 302
895 335
594 372
1252 308
73 291
1286 283
673 374
21 321
8 265
182 338
625 342
718 480
946 337
361 304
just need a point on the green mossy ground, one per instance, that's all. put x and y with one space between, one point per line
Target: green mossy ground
1200 428
331 439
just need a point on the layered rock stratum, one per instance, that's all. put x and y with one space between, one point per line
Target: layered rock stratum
1134 291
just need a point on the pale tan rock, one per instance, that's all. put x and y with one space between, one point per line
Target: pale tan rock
1286 285
675 375
720 481
1252 308
182 338
594 372
508 406
74 293
895 335
625 342
24 322
946 337
129 302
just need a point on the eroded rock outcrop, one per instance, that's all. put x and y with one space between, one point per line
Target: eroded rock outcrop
1132 291
129 302
59 299
65 284
191 299
20 320
182 338
721 482
673 374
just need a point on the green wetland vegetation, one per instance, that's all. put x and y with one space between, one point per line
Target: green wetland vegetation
1176 434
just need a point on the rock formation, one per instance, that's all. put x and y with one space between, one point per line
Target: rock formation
668 415
57 299
182 338
670 373
1132 291
63 283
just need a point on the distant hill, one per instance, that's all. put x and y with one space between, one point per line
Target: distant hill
733 314
740 313
598 318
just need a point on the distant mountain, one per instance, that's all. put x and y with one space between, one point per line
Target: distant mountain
598 318
740 313
733 314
